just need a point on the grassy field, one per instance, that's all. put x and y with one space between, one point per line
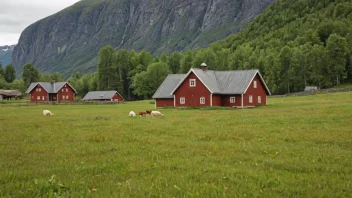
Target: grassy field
294 147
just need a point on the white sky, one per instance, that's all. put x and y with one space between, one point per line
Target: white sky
16 15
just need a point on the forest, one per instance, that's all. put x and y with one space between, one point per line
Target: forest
293 43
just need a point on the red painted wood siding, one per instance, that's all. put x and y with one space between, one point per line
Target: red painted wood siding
217 101
192 95
117 98
227 103
255 92
34 94
164 103
66 93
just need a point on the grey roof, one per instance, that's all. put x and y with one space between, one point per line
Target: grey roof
100 95
49 87
10 92
234 82
169 84
218 82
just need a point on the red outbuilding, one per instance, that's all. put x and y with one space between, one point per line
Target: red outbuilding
112 96
51 91
207 88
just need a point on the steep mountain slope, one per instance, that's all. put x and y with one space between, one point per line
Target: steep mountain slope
69 40
5 54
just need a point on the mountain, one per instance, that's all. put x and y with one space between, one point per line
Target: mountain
5 54
69 40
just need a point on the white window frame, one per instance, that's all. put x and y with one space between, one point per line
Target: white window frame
255 84
182 100
39 89
259 99
66 97
43 98
63 97
192 82
62 90
232 99
250 99
202 100
38 97
66 90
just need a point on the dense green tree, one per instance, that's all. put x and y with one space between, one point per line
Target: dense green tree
147 82
57 77
105 68
18 84
10 73
317 62
174 62
287 71
163 58
30 74
44 77
186 62
337 48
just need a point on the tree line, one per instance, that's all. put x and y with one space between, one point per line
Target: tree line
29 74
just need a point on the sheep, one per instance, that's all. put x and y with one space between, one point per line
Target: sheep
148 112
156 113
132 114
142 113
47 113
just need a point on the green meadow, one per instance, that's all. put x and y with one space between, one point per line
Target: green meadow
294 147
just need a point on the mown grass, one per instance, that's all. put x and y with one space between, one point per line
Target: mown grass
294 147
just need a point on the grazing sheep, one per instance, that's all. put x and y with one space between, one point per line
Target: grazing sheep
156 113
142 113
47 113
132 114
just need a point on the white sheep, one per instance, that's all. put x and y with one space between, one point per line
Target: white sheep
156 113
132 114
47 113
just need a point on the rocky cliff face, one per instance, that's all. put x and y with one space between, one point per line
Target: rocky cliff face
5 54
70 40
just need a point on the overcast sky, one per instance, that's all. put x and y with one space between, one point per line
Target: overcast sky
16 15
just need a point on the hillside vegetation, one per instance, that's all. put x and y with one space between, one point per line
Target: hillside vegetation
293 44
98 151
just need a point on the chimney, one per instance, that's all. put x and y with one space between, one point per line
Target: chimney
204 67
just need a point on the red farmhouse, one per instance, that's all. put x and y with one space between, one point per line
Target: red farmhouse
113 96
54 91
206 88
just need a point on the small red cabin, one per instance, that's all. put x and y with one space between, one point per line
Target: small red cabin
54 91
112 96
206 88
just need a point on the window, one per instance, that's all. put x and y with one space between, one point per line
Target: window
63 97
259 99
43 97
254 84
67 97
182 100
202 100
38 97
250 99
192 82
66 90
233 100
62 90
